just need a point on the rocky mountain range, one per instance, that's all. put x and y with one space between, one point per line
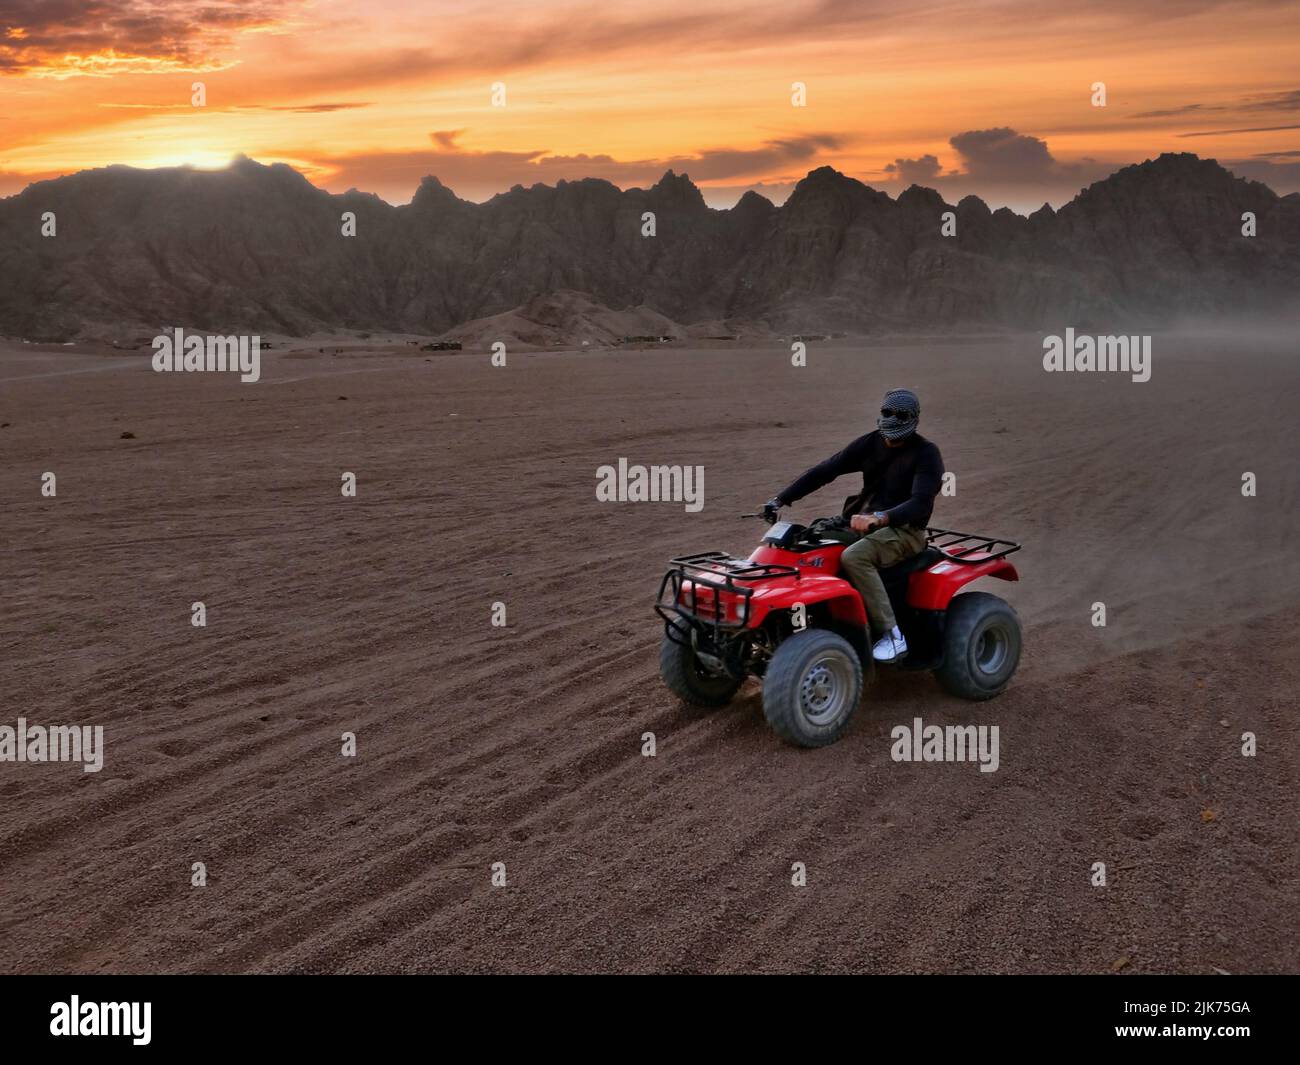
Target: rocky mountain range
257 248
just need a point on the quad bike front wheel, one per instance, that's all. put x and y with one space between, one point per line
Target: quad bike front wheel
981 646
812 687
687 677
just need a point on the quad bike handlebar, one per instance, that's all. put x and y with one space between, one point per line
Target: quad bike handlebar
817 525
960 547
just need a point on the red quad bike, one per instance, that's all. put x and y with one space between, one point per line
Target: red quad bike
786 615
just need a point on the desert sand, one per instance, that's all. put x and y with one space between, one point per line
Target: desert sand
522 744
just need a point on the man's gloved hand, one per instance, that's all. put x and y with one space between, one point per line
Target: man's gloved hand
770 509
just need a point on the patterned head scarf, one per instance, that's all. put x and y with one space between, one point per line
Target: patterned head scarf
906 413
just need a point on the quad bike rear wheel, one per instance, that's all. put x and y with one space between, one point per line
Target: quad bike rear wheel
981 646
687 677
812 687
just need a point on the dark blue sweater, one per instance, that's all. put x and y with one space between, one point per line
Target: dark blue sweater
902 481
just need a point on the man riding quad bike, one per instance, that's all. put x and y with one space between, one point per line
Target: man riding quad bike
813 605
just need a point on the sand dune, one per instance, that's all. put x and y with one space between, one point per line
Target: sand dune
564 319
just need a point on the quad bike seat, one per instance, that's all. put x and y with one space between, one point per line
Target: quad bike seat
923 560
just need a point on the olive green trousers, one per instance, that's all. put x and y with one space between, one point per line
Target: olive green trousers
863 560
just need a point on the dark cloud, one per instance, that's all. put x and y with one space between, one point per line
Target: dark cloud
1003 154
915 171
1003 167
1006 168
63 37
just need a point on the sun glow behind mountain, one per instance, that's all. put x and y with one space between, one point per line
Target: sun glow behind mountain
989 98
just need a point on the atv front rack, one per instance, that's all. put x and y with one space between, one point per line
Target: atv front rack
721 574
969 548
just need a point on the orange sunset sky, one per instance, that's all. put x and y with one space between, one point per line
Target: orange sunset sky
991 98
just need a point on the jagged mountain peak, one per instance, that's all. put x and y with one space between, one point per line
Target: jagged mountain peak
678 188
755 203
920 196
973 205
433 193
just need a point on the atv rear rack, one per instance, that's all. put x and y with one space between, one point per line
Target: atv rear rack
721 573
973 544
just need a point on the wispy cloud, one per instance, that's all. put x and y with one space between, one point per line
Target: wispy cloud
1288 100
301 109
1227 132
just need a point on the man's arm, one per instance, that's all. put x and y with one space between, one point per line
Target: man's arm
819 476
926 482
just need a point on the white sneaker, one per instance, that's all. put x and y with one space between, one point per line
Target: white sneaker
890 647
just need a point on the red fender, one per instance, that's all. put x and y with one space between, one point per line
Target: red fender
819 582
933 588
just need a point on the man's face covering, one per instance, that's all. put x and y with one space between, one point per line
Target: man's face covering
899 412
